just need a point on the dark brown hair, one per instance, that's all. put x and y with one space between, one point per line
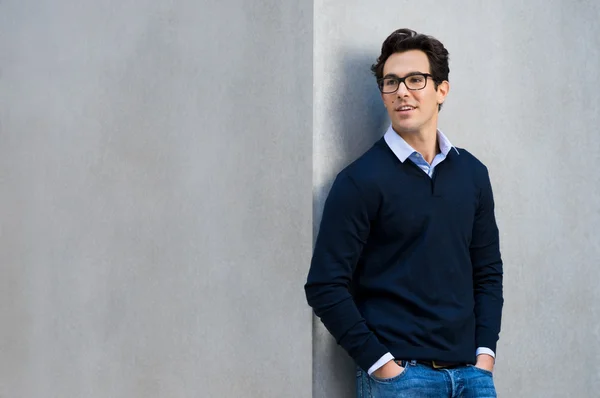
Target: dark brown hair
406 39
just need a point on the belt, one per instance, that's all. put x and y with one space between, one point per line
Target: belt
437 364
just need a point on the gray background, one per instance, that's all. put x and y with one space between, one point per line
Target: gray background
155 198
156 166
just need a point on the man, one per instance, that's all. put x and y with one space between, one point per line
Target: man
406 272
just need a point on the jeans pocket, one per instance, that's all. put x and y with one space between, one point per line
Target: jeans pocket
484 371
391 379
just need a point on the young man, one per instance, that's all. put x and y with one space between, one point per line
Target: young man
406 272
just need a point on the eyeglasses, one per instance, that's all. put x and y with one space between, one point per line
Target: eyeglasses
415 81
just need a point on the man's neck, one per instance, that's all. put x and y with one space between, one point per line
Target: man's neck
426 143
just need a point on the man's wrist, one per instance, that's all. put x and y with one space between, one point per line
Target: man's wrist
485 361
382 361
389 370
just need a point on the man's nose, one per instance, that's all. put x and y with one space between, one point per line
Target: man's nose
402 90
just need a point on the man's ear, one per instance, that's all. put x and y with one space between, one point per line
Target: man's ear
442 91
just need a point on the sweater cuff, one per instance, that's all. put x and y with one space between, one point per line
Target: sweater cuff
486 338
370 352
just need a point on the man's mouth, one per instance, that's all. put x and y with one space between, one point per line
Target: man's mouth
405 108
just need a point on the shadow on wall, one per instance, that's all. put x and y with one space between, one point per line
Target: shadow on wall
360 112
359 120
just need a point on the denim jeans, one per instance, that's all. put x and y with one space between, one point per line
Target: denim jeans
421 381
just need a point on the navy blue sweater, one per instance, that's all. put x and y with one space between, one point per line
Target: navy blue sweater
409 264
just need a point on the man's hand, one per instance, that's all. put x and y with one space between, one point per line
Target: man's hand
387 371
485 361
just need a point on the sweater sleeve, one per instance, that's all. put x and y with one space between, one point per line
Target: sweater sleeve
344 230
487 268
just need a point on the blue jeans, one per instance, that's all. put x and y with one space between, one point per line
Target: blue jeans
421 381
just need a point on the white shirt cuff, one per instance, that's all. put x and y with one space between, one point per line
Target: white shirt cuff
485 350
382 361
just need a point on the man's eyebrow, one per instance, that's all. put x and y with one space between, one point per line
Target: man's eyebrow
408 74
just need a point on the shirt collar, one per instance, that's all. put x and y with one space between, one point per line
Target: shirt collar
403 150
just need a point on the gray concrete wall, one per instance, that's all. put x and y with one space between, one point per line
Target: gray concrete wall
156 166
524 98
155 198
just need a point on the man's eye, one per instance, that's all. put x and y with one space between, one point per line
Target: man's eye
390 82
415 79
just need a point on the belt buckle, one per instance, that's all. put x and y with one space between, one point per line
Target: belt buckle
436 366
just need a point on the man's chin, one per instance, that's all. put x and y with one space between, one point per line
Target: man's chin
405 128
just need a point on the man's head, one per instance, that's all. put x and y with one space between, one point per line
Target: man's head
417 65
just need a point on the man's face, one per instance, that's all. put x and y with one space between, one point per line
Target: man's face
422 112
